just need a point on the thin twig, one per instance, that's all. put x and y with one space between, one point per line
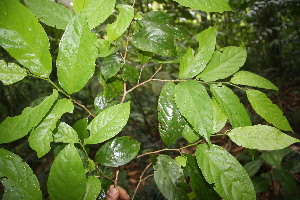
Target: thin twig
116 179
154 152
87 110
148 177
138 82
124 93
141 179
103 175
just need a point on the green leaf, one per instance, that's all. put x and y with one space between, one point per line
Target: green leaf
93 188
118 151
108 123
274 158
97 11
181 161
166 176
16 37
111 65
220 168
116 29
287 181
50 13
129 74
66 134
219 117
104 48
261 137
67 176
13 128
77 55
202 189
224 63
205 5
81 128
78 5
189 134
171 123
11 73
253 167
267 110
196 106
253 80
191 65
41 137
231 105
17 178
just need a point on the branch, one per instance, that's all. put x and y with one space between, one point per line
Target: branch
141 179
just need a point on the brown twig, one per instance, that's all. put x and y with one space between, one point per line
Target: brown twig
103 175
141 179
82 106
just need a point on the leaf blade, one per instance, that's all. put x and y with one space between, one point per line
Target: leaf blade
11 73
219 167
261 137
66 134
16 38
19 181
93 188
207 6
77 55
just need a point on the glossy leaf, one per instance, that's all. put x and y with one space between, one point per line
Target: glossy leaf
16 37
81 128
66 134
253 80
129 74
220 168
104 48
93 188
118 151
51 13
166 176
78 5
253 167
195 105
41 137
274 158
13 128
77 55
97 11
231 105
207 6
189 134
261 137
116 29
224 63
199 185
267 110
17 178
219 117
111 65
108 123
11 73
67 176
191 65
171 123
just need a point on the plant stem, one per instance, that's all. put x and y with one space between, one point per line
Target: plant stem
141 179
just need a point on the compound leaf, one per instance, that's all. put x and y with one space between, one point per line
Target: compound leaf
66 134
118 151
77 55
67 176
253 80
41 137
171 123
224 63
231 105
17 178
220 168
116 29
11 73
190 64
51 13
16 37
93 188
267 110
108 123
195 105
97 11
261 137
13 128
207 6
166 176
